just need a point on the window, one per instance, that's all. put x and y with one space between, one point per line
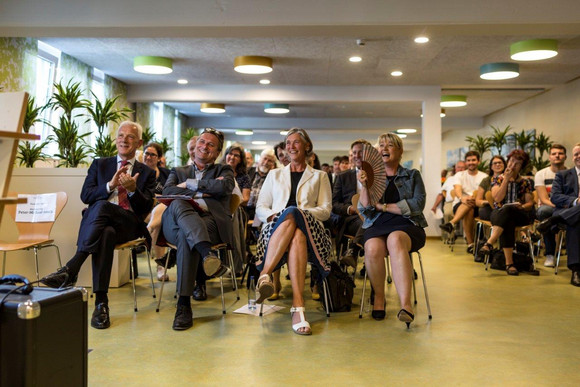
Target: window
98 90
46 68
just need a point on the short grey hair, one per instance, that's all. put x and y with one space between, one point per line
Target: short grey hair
304 137
134 124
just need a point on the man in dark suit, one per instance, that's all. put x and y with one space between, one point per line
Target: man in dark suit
119 193
194 232
345 187
566 198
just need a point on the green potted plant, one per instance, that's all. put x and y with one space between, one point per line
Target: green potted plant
499 137
29 152
72 148
102 114
148 135
542 143
481 145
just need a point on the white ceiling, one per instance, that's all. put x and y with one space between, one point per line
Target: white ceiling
310 42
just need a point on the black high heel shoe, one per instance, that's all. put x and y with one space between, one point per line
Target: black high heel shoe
406 317
379 314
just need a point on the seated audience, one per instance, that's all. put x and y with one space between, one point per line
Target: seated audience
566 198
448 193
543 184
119 193
513 206
193 232
466 184
250 164
281 155
293 203
497 165
393 226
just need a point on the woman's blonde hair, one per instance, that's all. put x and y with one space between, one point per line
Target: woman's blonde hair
392 137
305 137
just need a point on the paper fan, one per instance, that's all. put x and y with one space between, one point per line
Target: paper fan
372 164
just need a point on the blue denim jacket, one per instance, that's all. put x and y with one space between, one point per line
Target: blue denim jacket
412 194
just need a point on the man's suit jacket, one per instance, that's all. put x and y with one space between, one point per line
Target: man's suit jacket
313 193
102 171
217 192
343 191
565 188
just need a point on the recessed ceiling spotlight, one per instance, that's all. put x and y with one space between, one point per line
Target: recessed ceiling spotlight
259 142
406 130
355 59
396 73
214 108
283 132
264 81
242 132
182 81
421 39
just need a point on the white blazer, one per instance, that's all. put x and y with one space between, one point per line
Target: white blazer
313 193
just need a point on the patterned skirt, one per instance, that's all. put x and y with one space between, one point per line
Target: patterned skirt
317 240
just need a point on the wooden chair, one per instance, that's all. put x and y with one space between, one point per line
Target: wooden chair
225 253
132 245
33 235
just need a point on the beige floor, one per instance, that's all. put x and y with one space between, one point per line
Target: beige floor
487 329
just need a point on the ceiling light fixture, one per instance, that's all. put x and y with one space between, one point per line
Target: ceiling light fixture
421 39
499 71
406 130
276 108
284 132
396 73
213 108
243 132
402 135
535 49
152 65
182 81
253 64
355 59
257 142
264 81
453 100
442 114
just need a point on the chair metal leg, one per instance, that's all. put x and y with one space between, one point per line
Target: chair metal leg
150 271
326 290
530 243
222 291
561 234
478 230
234 279
36 262
163 282
4 265
389 277
413 279
362 297
133 282
425 286
58 256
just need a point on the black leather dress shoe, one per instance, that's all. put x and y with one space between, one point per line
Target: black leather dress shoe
575 278
100 319
62 278
183 318
199 293
545 226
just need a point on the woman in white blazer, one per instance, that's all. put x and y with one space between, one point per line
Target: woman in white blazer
293 203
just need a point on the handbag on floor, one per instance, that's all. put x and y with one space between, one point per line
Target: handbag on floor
341 289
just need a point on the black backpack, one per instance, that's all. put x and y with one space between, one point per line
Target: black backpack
341 288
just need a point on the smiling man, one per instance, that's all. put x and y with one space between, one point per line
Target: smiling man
119 193
194 232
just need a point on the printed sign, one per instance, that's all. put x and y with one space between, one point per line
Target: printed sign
39 208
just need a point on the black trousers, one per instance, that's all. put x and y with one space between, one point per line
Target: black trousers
103 226
509 217
571 217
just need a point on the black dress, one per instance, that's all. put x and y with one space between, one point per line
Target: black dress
388 222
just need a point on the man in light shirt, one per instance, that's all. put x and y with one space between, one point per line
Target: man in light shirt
466 184
543 184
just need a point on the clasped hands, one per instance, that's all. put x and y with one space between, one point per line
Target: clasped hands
122 178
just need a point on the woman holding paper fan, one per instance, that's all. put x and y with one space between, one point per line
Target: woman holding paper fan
293 203
393 222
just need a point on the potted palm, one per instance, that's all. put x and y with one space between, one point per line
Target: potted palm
28 152
102 114
499 137
481 145
72 148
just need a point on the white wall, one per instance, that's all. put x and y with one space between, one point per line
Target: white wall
556 113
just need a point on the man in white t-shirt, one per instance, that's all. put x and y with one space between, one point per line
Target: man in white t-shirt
465 186
448 194
543 183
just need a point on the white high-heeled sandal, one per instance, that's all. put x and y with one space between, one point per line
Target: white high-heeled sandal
302 324
265 288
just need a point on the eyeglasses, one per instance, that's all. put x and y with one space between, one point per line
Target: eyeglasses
151 154
239 156
497 163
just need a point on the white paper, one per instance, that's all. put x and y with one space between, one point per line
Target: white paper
256 312
39 208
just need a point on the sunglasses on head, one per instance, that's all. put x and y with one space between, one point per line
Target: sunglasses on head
216 133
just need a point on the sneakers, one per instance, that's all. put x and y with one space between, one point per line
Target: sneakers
349 259
447 227
549 262
160 274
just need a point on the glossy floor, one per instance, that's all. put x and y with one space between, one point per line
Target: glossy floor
487 329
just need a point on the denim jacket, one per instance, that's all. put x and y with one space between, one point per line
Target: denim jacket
412 194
